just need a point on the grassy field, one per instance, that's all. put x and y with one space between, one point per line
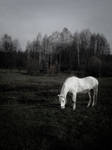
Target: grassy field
31 118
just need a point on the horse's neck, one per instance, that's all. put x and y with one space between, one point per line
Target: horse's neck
64 91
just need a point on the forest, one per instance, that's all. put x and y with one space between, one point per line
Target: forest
81 52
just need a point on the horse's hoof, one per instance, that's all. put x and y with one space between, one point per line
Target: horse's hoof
62 107
74 109
88 106
93 105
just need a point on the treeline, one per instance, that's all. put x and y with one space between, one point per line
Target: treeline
83 51
11 54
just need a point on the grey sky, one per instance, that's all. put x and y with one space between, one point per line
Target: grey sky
23 19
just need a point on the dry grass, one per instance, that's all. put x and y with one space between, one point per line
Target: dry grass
31 118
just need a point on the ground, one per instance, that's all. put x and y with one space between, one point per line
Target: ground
31 118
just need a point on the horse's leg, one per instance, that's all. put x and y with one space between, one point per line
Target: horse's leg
74 101
90 100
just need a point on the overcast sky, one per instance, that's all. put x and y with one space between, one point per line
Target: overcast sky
23 19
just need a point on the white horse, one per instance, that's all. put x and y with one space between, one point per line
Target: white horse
76 85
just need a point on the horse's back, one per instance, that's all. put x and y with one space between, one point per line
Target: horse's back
90 82
81 81
75 79
91 79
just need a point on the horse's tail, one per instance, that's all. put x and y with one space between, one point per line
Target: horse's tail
96 89
96 93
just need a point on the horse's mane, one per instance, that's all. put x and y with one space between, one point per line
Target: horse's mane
63 88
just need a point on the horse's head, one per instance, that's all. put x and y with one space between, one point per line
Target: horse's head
62 101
